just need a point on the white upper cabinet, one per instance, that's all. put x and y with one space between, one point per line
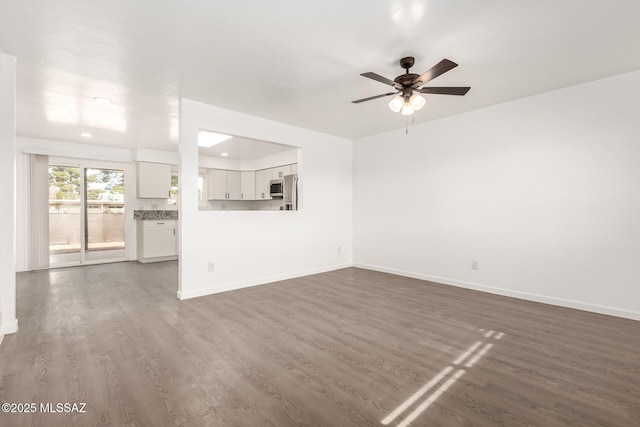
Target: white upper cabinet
216 184
294 169
234 190
223 185
281 171
248 185
263 180
153 180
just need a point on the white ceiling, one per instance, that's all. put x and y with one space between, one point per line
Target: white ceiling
293 61
239 148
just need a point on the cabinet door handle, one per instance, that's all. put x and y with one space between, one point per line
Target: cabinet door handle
159 223
174 231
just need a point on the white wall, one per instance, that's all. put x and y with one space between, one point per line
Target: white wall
8 320
156 156
283 158
543 192
253 247
210 162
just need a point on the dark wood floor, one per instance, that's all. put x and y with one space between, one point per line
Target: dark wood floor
345 348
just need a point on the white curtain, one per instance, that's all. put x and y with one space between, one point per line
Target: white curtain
38 211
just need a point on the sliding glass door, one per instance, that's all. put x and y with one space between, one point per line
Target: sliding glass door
86 214
104 213
65 214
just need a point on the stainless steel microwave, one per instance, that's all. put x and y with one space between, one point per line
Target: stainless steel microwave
276 188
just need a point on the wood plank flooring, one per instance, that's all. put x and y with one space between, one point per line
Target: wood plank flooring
344 348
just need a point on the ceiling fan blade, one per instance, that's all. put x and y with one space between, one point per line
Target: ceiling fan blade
444 90
435 71
373 97
379 78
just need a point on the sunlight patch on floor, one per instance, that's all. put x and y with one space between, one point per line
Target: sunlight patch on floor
404 406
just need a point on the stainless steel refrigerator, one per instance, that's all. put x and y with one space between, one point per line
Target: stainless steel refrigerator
290 192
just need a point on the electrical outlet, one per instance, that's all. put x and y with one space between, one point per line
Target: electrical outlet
211 266
141 206
339 249
223 207
474 265
154 206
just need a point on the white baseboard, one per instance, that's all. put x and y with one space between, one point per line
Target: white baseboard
233 286
156 259
579 305
10 328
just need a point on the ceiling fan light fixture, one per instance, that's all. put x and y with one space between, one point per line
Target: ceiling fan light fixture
396 104
407 109
417 101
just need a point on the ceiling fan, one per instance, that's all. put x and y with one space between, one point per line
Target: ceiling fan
407 86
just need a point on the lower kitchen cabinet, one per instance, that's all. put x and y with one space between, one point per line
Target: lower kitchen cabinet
157 240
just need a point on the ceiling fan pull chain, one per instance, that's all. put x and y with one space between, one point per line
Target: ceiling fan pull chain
406 123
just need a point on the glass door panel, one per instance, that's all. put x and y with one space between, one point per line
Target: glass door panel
65 214
104 213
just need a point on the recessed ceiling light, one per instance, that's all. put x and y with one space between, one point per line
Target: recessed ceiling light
85 135
209 139
224 154
101 100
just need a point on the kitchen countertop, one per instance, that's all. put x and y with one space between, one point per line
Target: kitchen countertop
155 214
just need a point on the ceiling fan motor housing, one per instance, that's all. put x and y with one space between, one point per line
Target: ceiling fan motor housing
406 80
407 62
